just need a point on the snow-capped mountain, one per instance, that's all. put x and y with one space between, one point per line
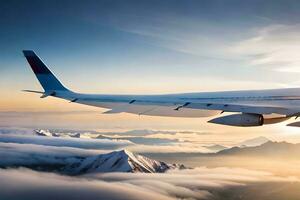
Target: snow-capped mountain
254 142
48 133
119 161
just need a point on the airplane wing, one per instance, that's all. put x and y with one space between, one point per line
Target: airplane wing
146 108
248 115
252 110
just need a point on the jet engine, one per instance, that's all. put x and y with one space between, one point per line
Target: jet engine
247 119
243 119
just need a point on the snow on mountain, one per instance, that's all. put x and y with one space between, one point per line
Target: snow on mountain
41 132
119 161
133 139
48 133
254 142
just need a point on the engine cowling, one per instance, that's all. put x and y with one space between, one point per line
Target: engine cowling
243 119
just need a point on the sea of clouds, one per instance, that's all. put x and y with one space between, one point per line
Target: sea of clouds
21 149
199 183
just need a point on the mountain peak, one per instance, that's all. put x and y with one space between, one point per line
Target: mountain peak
125 151
119 161
257 141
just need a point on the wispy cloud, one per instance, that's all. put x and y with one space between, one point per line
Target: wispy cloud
274 47
197 37
272 44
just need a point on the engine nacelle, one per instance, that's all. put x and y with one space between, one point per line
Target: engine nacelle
243 119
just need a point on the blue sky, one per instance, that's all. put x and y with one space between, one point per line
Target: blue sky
151 46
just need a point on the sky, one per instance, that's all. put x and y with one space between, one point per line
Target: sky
145 47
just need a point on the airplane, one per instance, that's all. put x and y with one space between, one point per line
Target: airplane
246 108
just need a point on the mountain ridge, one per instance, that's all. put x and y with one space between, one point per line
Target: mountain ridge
253 142
119 161
270 148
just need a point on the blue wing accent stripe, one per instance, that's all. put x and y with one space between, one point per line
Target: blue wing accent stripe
37 66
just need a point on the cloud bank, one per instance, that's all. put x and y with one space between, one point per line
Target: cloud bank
200 183
37 152
13 154
65 142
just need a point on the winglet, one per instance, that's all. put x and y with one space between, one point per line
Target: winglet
46 78
28 53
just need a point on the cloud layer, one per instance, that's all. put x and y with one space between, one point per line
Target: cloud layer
200 183
13 154
43 153
65 142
